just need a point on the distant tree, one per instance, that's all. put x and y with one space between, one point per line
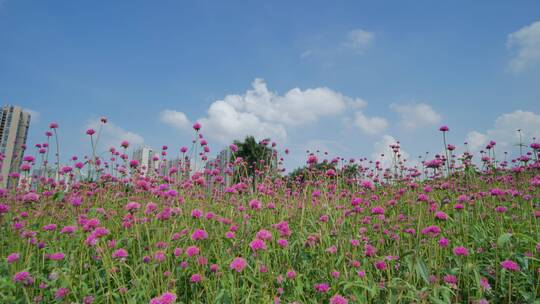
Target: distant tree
303 173
257 158
350 171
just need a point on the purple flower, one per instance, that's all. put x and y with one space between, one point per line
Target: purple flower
23 277
61 293
196 278
120 254
461 251
322 287
57 256
238 264
12 258
257 244
338 299
199 234
510 265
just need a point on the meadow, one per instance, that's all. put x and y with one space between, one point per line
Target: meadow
339 231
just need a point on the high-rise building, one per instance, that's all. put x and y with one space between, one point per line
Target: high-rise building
145 156
14 124
218 170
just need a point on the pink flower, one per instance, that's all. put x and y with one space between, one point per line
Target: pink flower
196 213
510 265
61 293
461 251
441 215
377 210
485 284
90 132
283 243
57 256
255 204
264 234
369 250
199 234
381 265
450 279
197 126
238 264
431 231
49 227
331 249
257 244
196 278
501 209
159 256
23 277
443 242
68 229
192 250
322 287
337 299
166 298
444 129
291 274
133 163
12 258
4 208
131 206
120 254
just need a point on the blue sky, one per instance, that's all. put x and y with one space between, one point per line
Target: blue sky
348 78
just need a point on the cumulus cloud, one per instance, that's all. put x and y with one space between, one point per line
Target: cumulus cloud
415 115
359 40
112 135
370 125
526 46
476 140
263 113
175 119
382 147
504 132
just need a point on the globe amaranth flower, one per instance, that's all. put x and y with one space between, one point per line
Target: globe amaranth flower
238 264
510 265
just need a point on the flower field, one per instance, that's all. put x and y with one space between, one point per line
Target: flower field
444 232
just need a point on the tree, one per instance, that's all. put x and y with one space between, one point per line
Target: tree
304 173
257 158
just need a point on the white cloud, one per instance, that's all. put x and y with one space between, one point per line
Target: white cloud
225 123
112 135
476 140
526 43
175 118
34 115
504 132
359 40
382 147
370 125
416 114
263 113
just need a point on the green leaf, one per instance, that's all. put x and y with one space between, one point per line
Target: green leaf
503 239
58 196
422 271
